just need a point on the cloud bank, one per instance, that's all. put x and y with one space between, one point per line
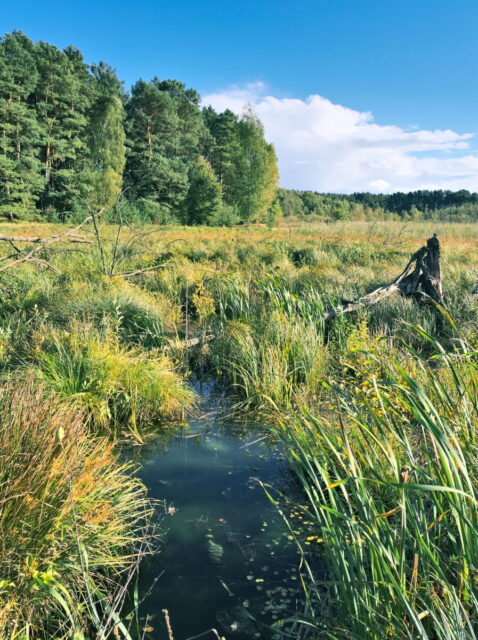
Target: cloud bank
329 147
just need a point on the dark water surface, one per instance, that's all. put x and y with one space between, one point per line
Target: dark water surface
227 559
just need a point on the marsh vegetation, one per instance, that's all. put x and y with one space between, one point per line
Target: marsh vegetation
375 413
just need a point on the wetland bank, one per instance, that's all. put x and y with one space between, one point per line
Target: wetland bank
351 496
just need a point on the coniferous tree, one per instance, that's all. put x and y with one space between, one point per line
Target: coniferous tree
20 177
106 137
222 147
164 129
62 98
62 143
204 197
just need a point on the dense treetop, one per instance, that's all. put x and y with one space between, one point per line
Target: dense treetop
72 138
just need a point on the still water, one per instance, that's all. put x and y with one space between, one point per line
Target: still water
227 560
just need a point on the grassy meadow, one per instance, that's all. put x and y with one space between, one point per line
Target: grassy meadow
377 412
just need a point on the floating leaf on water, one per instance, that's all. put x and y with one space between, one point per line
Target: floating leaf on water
215 551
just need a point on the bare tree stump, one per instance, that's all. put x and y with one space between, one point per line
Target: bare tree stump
421 278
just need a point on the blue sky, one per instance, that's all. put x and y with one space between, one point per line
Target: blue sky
412 64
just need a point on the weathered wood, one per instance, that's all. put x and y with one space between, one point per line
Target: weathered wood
192 342
42 240
423 270
28 254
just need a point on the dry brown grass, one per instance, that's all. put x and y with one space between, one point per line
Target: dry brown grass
71 515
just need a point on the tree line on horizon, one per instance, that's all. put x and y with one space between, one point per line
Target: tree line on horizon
72 139
436 204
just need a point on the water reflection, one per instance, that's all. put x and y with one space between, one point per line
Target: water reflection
227 561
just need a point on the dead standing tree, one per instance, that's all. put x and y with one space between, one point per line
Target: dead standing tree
421 279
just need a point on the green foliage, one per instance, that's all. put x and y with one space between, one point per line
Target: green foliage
120 388
275 361
226 216
274 214
143 210
20 132
62 98
106 141
390 492
245 164
204 198
360 397
255 174
459 206
68 133
164 127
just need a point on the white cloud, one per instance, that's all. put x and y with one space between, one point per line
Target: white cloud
329 147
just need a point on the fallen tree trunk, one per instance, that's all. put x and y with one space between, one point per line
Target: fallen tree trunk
421 278
28 254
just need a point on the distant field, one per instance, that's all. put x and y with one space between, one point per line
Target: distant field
384 245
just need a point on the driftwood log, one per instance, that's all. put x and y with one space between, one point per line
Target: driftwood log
421 279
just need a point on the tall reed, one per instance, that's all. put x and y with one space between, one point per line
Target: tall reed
391 495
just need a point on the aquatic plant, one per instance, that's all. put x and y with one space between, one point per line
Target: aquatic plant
274 360
391 494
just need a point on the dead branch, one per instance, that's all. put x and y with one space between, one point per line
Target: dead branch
155 267
423 270
44 263
37 240
28 255
192 342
